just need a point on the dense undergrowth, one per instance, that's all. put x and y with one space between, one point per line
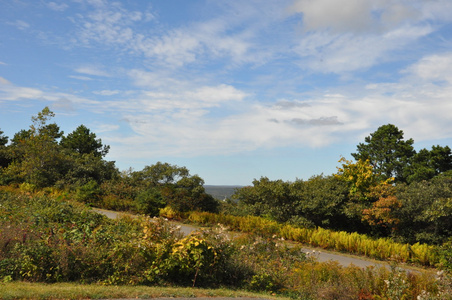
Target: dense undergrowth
44 237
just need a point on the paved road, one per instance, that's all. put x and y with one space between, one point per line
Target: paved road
321 255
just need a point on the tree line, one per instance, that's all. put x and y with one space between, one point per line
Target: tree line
388 190
44 158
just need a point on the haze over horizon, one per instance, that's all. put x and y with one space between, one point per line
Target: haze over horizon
233 90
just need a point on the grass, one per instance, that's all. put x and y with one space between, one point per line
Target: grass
26 290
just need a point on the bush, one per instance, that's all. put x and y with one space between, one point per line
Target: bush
88 193
149 202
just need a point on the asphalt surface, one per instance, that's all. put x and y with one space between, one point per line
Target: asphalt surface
320 254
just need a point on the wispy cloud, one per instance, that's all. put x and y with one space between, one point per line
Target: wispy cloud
19 24
85 78
57 6
92 70
437 67
12 92
107 92
344 36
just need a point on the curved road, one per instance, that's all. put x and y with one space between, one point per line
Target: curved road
321 255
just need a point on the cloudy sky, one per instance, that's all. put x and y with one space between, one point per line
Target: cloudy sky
233 90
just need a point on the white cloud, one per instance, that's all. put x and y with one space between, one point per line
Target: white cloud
347 35
355 16
216 94
337 16
107 92
85 78
11 92
57 6
109 24
101 128
436 67
324 52
92 70
112 25
3 81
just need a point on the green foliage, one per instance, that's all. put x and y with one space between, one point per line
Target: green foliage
320 201
160 174
163 185
4 160
150 202
425 214
46 238
425 164
267 198
387 152
83 141
34 156
446 256
88 193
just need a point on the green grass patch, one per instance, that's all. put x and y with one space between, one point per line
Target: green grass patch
25 290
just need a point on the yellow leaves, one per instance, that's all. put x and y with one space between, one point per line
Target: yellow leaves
361 177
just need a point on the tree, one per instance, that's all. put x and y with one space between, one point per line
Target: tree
4 160
426 210
41 128
427 164
3 139
267 198
160 174
382 216
83 141
320 201
387 151
360 177
173 186
37 159
371 199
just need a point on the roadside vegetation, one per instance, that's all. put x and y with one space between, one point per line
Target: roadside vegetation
392 203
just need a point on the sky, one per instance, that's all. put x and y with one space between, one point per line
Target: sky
232 90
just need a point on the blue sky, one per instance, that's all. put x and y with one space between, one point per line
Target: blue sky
233 90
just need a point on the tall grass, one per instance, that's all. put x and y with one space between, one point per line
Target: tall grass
383 248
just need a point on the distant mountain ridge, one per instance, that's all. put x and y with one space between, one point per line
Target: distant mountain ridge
221 192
